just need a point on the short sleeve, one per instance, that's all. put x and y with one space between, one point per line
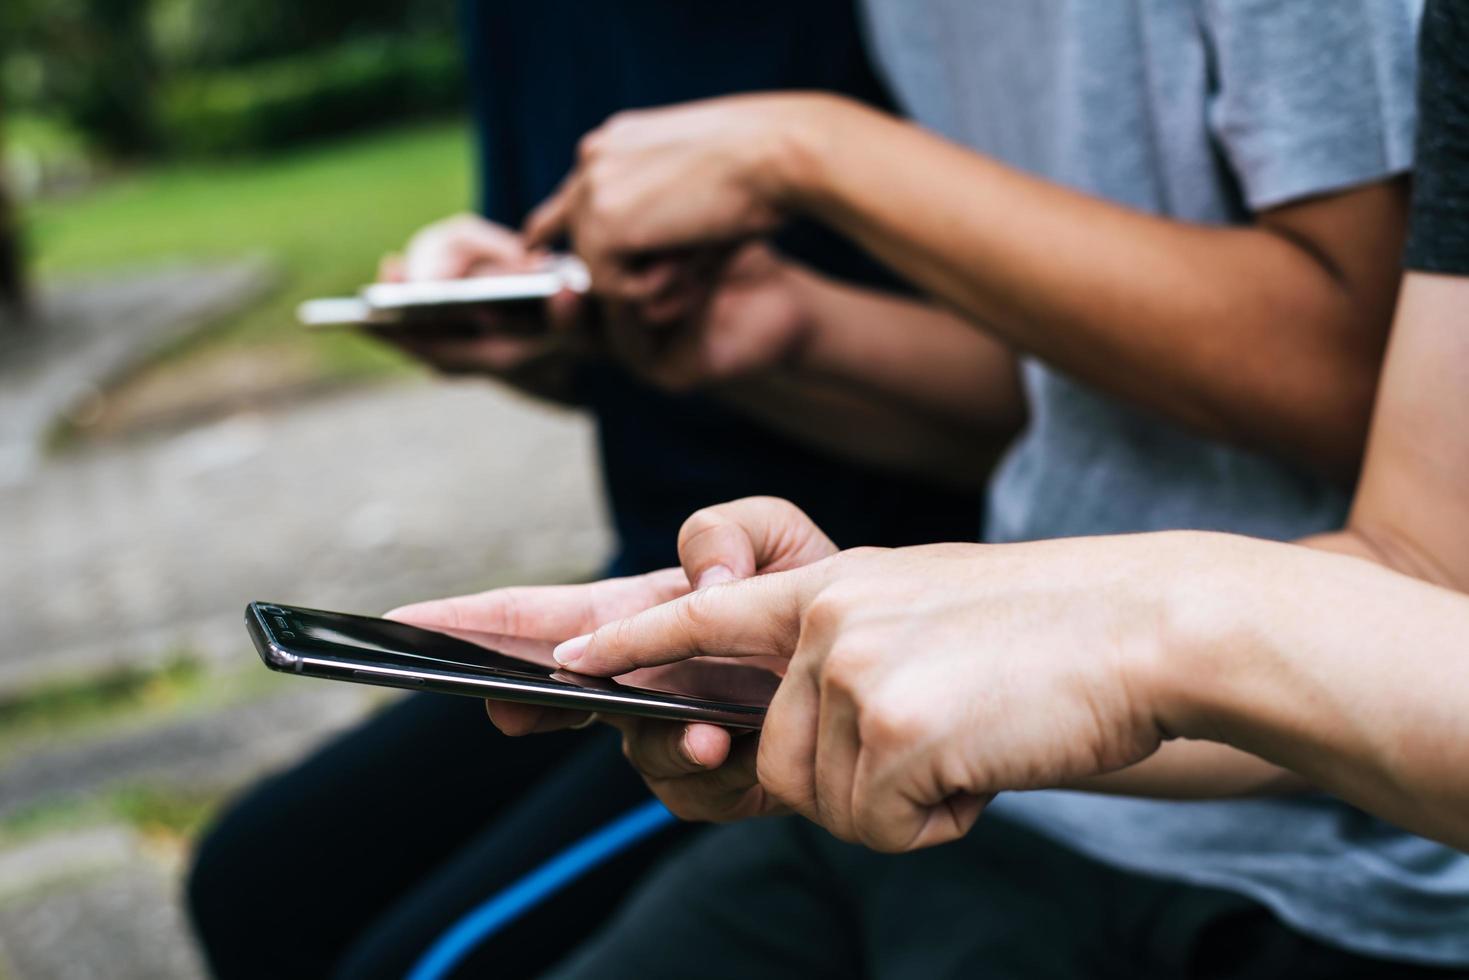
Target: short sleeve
1439 240
1311 96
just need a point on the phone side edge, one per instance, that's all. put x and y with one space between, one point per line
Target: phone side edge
641 705
275 656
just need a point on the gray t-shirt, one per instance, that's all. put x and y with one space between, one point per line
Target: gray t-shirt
1201 110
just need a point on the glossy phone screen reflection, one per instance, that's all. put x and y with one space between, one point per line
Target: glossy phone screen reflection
363 639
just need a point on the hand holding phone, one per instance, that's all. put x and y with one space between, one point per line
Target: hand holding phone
462 271
365 650
465 297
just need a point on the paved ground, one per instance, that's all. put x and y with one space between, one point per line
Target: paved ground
95 329
97 906
359 501
132 552
102 900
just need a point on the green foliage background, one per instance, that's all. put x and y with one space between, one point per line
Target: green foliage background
324 213
144 78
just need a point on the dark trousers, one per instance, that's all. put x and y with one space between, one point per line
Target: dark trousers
354 862
780 898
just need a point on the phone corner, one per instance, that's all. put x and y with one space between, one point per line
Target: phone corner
277 658
271 652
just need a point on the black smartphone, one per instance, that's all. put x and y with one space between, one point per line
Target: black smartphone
365 650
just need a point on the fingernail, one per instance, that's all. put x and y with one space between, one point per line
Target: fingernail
688 750
568 653
714 575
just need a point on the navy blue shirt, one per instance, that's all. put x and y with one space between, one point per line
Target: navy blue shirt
1439 241
543 74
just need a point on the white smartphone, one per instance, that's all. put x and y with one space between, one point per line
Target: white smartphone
402 302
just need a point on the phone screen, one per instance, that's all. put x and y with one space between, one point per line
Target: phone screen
353 639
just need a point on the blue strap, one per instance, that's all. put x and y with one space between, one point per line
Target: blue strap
499 910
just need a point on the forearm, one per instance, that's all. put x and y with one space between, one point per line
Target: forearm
1143 307
876 432
889 381
907 352
1195 770
1409 516
1348 674
1411 511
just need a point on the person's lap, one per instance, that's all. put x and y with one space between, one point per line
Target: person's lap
781 898
357 859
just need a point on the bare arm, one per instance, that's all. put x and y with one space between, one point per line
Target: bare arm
1267 336
1352 675
891 381
1412 506
868 429
908 351
1411 515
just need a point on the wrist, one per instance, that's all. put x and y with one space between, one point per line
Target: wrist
1206 640
807 141
802 290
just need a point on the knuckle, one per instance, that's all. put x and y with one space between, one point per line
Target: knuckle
694 612
779 780
826 613
700 522
601 206
588 146
616 635
877 838
888 719
781 506
838 827
847 670
452 615
861 555
599 173
512 611
621 119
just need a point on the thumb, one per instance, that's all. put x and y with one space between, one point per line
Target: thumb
751 536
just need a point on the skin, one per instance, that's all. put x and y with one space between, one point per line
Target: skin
740 326
922 681
534 352
1411 511
1134 648
1296 304
699 770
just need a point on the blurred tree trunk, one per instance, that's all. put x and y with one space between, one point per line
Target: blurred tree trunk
13 296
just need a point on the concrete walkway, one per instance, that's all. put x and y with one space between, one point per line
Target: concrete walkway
128 554
92 330
358 501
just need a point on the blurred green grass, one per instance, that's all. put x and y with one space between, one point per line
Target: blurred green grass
127 696
156 811
324 215
72 704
